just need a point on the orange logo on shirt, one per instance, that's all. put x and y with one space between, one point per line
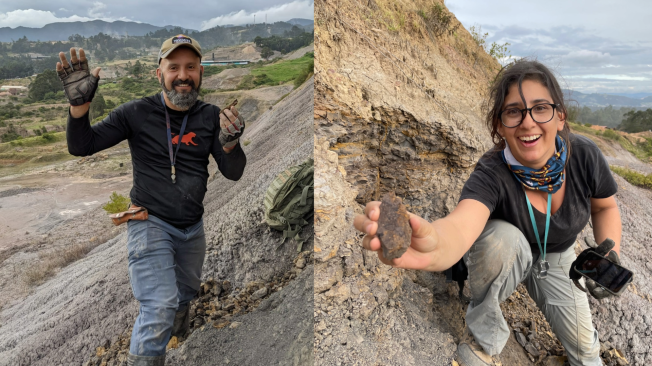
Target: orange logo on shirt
186 139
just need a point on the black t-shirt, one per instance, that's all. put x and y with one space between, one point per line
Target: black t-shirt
587 176
142 122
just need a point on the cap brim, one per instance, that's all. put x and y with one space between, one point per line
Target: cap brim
174 47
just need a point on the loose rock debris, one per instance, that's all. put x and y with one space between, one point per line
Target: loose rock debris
216 306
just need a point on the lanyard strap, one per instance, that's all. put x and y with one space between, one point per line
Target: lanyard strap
173 157
534 225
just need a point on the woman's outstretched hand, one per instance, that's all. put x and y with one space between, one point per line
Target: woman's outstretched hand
423 244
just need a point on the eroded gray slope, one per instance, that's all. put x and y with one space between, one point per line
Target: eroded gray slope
278 332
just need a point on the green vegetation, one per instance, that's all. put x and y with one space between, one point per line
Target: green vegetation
266 52
7 111
292 41
633 177
45 82
495 50
637 121
642 150
98 105
305 74
607 116
439 21
126 89
11 134
137 70
43 139
117 203
278 73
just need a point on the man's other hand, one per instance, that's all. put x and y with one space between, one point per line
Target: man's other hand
79 84
232 126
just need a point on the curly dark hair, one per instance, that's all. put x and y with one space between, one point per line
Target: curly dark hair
516 73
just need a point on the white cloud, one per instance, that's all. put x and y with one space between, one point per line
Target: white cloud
63 9
97 11
34 18
608 77
587 54
38 18
296 9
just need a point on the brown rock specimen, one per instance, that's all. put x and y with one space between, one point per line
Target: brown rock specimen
394 229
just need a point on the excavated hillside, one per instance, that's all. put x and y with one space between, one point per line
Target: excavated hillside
256 300
399 90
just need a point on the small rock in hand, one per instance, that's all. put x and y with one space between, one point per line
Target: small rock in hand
394 229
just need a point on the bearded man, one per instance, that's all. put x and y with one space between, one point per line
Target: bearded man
166 244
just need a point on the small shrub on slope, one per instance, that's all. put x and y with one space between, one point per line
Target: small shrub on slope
117 203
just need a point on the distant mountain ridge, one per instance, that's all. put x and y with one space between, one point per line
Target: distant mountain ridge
61 31
633 95
604 100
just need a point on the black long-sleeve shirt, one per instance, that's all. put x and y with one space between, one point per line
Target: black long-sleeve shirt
142 122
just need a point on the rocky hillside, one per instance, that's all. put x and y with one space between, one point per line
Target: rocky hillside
263 288
398 97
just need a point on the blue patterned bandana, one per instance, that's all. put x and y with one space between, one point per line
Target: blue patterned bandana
549 178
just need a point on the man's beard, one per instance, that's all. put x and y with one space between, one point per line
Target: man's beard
182 101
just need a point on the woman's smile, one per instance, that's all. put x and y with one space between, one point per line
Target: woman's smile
531 143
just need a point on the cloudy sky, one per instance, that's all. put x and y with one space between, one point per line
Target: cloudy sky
597 46
196 14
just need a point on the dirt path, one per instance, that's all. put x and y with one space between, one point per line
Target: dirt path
36 204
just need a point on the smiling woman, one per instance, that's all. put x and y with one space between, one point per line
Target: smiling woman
518 217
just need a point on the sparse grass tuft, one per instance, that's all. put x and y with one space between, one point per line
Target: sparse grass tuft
50 262
117 203
633 177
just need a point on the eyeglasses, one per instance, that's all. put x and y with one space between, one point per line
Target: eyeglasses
540 113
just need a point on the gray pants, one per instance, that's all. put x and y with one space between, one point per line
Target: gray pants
497 262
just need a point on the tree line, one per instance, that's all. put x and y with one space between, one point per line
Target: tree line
608 116
637 121
285 45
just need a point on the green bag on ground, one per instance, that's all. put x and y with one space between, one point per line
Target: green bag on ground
289 200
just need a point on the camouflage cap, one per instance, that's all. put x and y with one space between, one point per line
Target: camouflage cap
180 40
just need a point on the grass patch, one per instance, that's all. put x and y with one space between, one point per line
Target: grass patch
117 203
281 72
44 139
50 262
633 177
641 150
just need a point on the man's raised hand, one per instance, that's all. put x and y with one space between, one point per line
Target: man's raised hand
79 84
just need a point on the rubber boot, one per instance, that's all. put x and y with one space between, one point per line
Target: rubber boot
133 360
181 324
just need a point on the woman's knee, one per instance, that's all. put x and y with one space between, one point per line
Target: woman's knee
500 255
499 244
